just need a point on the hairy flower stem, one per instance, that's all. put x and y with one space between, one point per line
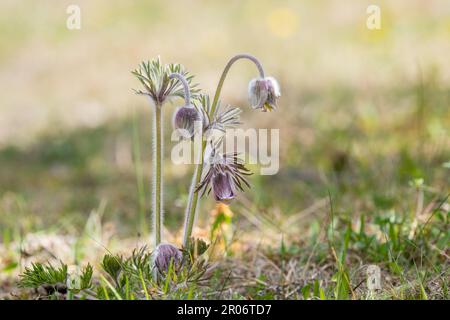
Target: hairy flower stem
157 174
191 207
193 196
187 92
225 73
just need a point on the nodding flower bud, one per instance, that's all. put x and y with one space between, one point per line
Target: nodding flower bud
263 93
222 186
164 255
185 118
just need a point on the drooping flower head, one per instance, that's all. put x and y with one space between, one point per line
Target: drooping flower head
226 173
185 118
263 93
166 254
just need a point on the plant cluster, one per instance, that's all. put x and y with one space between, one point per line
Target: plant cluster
223 174
168 266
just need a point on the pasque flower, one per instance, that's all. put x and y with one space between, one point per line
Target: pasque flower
263 93
185 116
166 254
226 173
222 187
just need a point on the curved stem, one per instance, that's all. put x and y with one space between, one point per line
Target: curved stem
157 188
225 72
193 196
187 92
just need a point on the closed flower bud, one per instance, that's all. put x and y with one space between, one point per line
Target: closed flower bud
263 93
166 254
185 118
222 186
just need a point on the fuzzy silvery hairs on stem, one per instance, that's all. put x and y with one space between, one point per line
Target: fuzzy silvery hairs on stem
226 173
263 93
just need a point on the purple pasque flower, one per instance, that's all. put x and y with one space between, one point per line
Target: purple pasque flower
263 93
222 186
225 174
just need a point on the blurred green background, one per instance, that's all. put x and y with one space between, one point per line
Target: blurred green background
362 113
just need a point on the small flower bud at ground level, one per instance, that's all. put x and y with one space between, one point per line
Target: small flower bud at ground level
164 255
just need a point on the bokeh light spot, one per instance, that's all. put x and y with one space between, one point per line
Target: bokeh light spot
282 22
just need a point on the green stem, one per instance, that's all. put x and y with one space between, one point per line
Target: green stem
193 196
157 174
191 207
225 72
